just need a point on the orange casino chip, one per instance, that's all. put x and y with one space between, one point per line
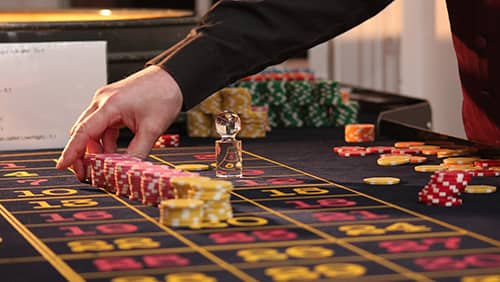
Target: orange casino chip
357 132
408 144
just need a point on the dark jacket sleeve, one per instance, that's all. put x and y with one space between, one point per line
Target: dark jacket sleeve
240 37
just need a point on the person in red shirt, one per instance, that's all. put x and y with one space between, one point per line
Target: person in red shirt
237 38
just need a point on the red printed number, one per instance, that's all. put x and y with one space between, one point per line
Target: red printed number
450 263
323 203
399 246
113 228
86 215
263 235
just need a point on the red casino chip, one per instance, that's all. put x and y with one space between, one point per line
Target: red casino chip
167 140
484 172
449 191
347 154
444 202
348 148
487 163
121 177
379 149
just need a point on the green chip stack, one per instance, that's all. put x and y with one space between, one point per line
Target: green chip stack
299 103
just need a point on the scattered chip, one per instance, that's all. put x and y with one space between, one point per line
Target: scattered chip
192 167
417 159
480 189
378 149
392 161
408 144
381 180
460 161
429 168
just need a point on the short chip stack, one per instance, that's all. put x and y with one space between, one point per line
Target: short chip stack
167 140
444 188
216 197
181 212
213 194
359 133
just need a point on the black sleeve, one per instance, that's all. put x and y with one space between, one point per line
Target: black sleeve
240 37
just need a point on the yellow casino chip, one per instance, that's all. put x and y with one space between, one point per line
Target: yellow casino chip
429 168
181 203
460 161
192 167
381 180
393 160
480 189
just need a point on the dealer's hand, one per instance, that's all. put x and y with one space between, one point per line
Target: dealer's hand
146 102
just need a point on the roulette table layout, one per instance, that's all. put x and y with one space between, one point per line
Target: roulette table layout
300 212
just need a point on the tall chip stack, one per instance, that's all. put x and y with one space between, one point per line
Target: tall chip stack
296 99
200 120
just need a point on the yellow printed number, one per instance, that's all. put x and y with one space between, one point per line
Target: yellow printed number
300 252
297 191
76 203
355 230
21 174
134 279
262 254
482 278
121 244
189 277
47 192
327 270
290 273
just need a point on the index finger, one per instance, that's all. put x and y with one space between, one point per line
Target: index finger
89 129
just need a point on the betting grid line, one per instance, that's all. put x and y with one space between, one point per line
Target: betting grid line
436 221
201 250
395 267
390 265
66 271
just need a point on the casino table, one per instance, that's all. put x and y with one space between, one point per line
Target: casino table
300 213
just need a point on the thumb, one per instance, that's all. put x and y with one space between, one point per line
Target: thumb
141 144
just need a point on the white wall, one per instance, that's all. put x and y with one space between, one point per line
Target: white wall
407 49
31 4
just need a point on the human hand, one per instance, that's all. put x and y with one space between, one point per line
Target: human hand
146 102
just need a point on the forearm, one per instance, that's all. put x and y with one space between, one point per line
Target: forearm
238 38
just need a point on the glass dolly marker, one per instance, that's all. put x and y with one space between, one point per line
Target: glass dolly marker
228 149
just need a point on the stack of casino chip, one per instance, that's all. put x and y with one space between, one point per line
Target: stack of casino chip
150 183
99 172
167 140
212 105
122 186
110 162
88 159
200 120
236 99
181 212
359 133
296 99
215 195
182 184
199 124
444 188
134 175
253 124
